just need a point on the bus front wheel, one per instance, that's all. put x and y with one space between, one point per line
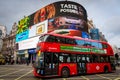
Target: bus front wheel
65 72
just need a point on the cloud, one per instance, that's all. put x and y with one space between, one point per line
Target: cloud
13 10
105 14
111 30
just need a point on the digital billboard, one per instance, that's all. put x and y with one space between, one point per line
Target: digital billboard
38 29
64 12
61 8
22 36
29 43
67 23
62 17
23 24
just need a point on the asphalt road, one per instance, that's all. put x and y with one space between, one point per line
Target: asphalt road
24 72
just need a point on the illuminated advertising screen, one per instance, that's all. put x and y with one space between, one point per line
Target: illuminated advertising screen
67 26
29 43
23 24
61 8
38 29
22 36
67 11
72 9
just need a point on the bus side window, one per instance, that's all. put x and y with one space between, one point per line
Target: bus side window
62 40
91 58
72 58
95 44
87 43
100 45
80 42
104 45
57 39
50 38
70 41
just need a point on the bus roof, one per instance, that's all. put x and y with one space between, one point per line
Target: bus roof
74 37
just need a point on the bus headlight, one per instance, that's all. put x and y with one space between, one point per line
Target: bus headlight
38 71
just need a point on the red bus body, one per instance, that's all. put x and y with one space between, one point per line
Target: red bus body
91 67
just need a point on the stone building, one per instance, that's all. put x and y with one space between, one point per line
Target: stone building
3 33
95 32
8 49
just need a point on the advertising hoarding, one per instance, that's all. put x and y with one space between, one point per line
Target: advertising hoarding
22 36
29 43
63 17
67 23
72 14
38 29
31 51
61 8
85 35
23 24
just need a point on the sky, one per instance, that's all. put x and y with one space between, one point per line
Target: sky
104 13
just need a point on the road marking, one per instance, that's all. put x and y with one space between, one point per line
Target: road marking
64 79
103 77
85 78
11 73
117 79
24 75
6 70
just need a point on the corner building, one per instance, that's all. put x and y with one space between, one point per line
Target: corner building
63 17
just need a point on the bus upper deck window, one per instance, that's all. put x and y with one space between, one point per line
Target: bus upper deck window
50 38
100 45
104 45
80 42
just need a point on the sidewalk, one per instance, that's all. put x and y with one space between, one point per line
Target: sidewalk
117 67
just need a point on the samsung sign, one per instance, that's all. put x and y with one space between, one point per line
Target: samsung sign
22 36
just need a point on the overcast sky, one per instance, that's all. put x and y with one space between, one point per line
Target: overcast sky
104 13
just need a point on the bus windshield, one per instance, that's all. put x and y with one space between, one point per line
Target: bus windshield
43 38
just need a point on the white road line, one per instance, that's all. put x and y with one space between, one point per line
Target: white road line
11 73
85 78
117 79
103 77
24 75
6 70
64 79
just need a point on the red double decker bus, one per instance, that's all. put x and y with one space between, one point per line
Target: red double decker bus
59 55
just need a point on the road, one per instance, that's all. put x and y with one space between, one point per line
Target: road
24 72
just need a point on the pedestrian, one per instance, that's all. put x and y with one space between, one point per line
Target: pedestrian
28 62
116 58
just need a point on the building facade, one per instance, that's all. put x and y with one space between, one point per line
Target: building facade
8 49
3 33
95 32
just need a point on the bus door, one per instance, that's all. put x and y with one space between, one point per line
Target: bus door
51 64
81 60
